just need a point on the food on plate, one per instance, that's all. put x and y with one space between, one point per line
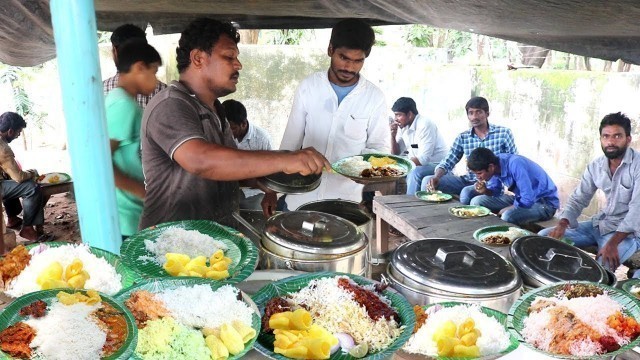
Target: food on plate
183 265
52 178
586 324
453 332
382 171
314 315
67 330
383 166
35 309
191 322
496 239
381 161
66 266
467 212
635 291
13 263
436 196
458 331
183 252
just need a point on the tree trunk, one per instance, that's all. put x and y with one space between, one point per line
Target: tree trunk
249 36
607 65
587 63
533 55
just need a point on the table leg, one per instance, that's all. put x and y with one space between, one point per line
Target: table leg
381 245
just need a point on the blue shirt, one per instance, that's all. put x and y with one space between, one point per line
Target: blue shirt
342 91
499 140
526 179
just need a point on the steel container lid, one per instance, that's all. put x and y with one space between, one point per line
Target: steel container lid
544 260
291 183
449 267
349 210
312 232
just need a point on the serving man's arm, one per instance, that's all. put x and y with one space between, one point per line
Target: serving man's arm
221 163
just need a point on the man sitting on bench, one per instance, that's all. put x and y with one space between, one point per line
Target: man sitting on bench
18 184
616 229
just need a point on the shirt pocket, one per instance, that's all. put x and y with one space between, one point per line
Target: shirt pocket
624 194
355 128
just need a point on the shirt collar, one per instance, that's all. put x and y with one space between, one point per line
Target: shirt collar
250 132
414 124
491 129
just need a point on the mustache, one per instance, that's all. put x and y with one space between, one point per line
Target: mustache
346 72
236 74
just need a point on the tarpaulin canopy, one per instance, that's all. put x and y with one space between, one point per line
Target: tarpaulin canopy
608 30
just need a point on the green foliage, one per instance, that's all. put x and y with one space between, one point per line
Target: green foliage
458 43
286 36
377 30
17 78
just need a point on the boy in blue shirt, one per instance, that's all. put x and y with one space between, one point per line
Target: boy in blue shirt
138 63
535 195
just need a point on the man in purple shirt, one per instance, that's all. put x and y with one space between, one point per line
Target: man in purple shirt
535 195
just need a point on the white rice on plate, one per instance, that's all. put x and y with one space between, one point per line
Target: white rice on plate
102 275
493 339
354 165
178 240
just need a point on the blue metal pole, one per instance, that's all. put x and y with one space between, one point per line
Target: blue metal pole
74 28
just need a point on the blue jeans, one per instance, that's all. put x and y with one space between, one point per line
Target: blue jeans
414 178
588 235
454 185
539 211
32 201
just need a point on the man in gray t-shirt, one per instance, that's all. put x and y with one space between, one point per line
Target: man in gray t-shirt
190 160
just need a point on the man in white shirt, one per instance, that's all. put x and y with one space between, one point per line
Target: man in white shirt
419 137
339 112
248 137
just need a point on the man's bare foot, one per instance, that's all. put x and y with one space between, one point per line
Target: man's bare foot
29 233
14 222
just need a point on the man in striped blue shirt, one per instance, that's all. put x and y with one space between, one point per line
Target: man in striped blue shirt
496 138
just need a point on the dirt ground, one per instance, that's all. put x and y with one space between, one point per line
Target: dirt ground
60 219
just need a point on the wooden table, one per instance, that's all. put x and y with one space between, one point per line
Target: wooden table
48 190
418 219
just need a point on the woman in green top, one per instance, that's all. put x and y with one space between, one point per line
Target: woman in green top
137 65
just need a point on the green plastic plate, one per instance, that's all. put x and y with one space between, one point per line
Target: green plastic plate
519 311
502 319
11 315
294 284
632 286
405 164
442 197
242 252
129 277
159 284
496 230
482 211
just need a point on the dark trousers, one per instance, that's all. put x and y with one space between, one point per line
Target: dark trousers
32 201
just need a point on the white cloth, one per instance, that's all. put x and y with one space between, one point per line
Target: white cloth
359 125
256 138
424 133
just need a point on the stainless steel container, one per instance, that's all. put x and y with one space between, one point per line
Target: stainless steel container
313 241
543 260
436 270
348 210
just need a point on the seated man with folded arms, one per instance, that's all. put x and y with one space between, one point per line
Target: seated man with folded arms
535 195
419 136
615 230
18 184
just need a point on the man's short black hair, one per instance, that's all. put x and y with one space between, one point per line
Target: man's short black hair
353 34
125 33
619 119
136 50
202 34
404 105
480 159
235 111
477 102
11 121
